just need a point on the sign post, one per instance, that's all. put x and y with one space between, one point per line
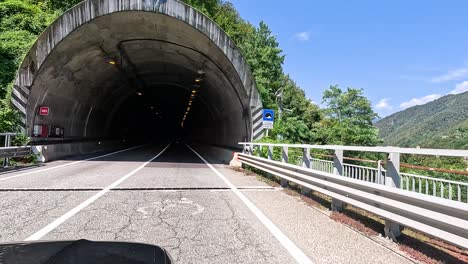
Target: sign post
268 119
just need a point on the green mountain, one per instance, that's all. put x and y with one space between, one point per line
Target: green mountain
442 123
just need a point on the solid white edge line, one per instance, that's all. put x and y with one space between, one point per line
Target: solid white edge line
287 243
57 222
68 164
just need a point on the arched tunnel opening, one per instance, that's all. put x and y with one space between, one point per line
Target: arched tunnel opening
138 71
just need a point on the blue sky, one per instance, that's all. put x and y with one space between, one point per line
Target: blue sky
400 52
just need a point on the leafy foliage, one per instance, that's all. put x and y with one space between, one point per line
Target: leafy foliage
442 123
347 118
20 23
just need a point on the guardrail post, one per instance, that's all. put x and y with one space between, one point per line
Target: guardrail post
270 152
337 205
284 156
392 178
379 178
7 144
306 158
392 230
306 164
284 159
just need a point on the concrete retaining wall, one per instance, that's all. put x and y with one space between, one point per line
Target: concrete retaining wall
60 151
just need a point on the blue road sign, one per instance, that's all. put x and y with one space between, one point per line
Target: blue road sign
268 118
268 115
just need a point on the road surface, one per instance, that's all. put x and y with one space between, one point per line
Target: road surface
172 196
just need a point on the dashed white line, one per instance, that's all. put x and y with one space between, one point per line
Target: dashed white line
44 231
287 243
68 164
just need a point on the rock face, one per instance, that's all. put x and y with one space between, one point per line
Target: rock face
90 64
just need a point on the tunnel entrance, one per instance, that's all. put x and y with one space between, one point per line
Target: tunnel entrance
138 69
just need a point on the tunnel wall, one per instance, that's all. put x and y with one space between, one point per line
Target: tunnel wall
60 151
90 10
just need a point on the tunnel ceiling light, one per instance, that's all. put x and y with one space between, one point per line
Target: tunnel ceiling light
201 72
198 80
139 93
111 62
194 91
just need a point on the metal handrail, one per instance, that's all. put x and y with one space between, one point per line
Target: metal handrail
434 179
14 152
417 151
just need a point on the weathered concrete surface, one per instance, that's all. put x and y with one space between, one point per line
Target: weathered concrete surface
158 46
63 150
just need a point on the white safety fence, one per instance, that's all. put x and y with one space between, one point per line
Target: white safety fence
431 205
439 187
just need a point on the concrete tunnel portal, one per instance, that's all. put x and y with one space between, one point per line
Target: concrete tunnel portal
135 68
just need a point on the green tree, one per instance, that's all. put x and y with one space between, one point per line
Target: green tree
59 5
299 116
347 119
265 58
208 7
20 23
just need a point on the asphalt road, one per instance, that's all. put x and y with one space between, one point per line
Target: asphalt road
170 197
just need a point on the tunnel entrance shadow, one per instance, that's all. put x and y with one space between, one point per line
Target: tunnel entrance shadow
177 155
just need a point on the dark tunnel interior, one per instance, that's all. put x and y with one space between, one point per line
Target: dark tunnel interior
141 75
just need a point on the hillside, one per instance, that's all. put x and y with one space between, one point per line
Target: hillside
442 123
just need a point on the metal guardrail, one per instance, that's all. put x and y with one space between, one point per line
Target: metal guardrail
8 152
13 152
416 151
433 186
434 216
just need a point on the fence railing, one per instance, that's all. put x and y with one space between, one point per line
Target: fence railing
8 152
13 152
433 186
363 173
321 165
447 189
387 192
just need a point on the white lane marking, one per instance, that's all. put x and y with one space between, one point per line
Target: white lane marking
68 164
44 231
287 243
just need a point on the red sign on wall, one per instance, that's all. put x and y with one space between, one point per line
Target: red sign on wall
44 110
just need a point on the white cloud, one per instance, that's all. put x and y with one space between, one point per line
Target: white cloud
383 104
303 36
453 75
420 101
460 88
